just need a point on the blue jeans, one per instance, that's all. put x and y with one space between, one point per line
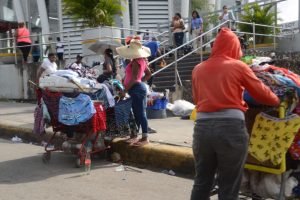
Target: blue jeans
138 94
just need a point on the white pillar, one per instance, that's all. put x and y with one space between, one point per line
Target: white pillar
60 17
126 16
18 10
171 9
299 15
44 18
135 12
218 5
185 8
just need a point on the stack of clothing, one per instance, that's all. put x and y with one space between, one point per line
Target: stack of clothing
284 83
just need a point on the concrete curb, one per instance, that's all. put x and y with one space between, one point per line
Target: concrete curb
178 159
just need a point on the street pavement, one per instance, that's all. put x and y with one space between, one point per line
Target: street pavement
171 130
24 176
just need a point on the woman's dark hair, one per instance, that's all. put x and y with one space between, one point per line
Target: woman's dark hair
197 14
109 53
178 15
224 7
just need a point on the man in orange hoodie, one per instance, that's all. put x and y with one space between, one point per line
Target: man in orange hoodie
220 142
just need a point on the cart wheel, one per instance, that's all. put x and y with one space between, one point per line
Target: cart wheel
46 157
78 163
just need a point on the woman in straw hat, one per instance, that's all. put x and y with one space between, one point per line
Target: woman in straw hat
134 85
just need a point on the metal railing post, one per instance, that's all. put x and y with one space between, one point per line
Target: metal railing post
274 37
176 79
69 48
201 48
41 47
254 40
164 43
15 50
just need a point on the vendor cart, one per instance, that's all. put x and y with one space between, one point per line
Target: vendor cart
89 138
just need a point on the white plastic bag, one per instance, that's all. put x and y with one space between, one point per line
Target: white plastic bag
182 108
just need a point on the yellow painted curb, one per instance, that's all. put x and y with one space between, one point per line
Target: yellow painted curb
178 159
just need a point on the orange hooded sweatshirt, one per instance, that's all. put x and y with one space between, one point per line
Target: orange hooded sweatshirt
219 82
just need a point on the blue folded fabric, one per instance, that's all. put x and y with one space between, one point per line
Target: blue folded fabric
122 112
73 111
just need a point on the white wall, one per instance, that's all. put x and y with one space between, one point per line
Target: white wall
14 81
11 85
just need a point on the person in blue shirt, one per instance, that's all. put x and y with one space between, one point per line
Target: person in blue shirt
196 28
153 45
36 52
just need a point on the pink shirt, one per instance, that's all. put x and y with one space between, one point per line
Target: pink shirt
23 35
128 72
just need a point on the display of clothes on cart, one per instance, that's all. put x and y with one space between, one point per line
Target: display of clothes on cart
274 142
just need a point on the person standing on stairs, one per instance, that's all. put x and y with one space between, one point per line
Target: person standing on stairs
227 15
196 28
153 45
220 140
177 27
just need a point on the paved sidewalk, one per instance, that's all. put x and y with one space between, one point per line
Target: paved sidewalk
170 131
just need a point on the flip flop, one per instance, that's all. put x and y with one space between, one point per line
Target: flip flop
131 140
140 143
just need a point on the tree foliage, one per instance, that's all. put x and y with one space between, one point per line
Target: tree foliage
93 12
254 13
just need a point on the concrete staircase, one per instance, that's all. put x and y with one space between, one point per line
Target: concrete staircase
166 78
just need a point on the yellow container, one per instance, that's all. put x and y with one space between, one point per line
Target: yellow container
193 116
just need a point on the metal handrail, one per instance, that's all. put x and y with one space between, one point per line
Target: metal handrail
178 48
202 45
158 34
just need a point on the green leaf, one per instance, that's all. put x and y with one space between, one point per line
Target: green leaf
93 12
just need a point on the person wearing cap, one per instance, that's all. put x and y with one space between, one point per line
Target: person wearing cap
134 84
77 66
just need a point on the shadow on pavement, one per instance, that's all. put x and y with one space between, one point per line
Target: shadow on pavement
32 169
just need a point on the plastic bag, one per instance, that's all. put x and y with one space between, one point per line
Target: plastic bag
182 108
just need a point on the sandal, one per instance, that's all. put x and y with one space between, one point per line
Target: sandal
131 140
140 143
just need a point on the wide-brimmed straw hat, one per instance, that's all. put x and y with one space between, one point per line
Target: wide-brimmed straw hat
134 50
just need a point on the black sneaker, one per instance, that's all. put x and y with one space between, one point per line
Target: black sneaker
151 130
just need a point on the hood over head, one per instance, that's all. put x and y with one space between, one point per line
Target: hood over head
227 44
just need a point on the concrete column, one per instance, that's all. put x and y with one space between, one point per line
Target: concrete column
218 5
171 9
135 10
185 8
44 18
126 16
18 10
60 17
299 15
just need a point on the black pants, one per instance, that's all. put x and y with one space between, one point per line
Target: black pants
220 147
36 58
178 37
25 48
60 56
